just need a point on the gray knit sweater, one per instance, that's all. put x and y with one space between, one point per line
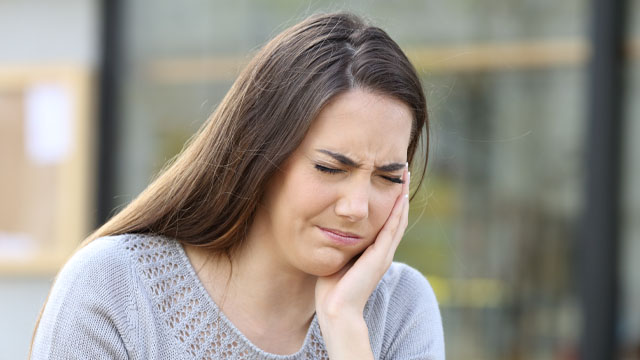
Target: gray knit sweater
137 297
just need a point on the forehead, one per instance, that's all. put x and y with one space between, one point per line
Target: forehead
362 124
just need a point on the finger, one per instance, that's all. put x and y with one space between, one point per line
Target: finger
392 221
403 221
388 231
405 211
404 198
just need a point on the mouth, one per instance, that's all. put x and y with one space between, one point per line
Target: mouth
340 237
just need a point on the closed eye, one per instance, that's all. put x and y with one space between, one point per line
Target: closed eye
328 170
396 180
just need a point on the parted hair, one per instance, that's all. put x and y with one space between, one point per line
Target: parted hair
208 195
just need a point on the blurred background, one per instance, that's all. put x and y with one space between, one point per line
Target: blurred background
528 223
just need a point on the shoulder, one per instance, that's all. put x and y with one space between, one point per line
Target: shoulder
404 291
104 251
91 301
404 315
102 264
111 259
402 280
101 267
111 268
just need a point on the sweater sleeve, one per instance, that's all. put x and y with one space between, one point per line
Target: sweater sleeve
414 312
89 311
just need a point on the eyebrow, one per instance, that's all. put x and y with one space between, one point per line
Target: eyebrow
343 159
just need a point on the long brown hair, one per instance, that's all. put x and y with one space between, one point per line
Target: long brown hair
208 196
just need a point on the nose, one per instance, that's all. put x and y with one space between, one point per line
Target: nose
353 204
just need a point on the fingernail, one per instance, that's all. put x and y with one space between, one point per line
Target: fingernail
406 196
406 165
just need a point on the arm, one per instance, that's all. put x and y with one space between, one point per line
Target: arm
86 315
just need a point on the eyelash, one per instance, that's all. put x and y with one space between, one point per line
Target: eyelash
337 171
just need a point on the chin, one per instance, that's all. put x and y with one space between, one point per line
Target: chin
326 271
328 263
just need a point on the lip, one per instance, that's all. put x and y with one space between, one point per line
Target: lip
341 237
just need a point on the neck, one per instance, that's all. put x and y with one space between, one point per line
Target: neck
263 293
271 288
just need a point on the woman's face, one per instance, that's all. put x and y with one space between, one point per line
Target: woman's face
337 189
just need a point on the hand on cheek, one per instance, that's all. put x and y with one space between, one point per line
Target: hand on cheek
346 292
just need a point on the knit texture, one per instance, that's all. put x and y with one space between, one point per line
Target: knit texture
138 297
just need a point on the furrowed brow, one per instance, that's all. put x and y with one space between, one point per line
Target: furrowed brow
391 167
345 160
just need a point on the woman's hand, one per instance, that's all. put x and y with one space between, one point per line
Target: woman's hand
340 298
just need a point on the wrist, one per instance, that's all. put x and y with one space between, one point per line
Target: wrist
341 319
346 336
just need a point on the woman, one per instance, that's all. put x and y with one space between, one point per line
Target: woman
272 235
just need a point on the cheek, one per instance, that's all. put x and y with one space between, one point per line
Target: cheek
308 195
318 195
382 205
